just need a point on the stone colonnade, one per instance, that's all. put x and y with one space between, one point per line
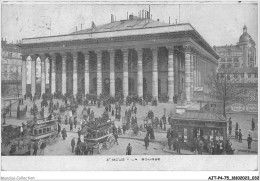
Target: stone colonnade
196 68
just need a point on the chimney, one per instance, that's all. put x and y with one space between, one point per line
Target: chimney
158 20
142 14
76 28
115 18
151 16
131 17
169 20
147 16
176 21
149 12
111 18
80 26
127 16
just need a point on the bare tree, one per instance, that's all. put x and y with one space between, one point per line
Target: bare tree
225 86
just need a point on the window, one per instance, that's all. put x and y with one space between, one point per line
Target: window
40 131
229 59
229 66
222 60
222 66
256 75
249 75
9 54
35 132
228 77
235 76
44 130
242 75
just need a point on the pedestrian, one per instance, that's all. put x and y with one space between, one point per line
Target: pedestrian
253 124
161 123
79 132
21 131
200 147
71 123
42 147
73 144
59 129
177 145
75 122
4 116
35 148
116 137
236 126
128 149
236 134
240 136
169 141
249 141
124 128
146 141
229 129
66 120
64 133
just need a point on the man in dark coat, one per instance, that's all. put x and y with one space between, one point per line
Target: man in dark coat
59 129
71 124
73 144
249 141
116 137
253 124
177 145
75 122
35 148
240 136
169 141
64 133
128 149
146 141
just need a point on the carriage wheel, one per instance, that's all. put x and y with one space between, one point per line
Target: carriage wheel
110 141
100 148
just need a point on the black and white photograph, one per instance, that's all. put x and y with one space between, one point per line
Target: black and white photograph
129 82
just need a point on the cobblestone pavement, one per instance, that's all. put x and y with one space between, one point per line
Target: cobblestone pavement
160 135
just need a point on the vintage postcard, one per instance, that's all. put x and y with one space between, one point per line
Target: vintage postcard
129 86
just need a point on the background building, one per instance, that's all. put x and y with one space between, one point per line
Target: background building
242 62
243 54
11 69
135 55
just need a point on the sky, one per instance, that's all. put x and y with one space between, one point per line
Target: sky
219 24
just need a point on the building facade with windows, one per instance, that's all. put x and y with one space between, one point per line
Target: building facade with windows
11 69
243 54
136 55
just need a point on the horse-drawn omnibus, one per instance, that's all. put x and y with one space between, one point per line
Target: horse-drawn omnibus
99 135
15 142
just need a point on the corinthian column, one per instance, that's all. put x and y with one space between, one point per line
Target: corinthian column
170 73
86 55
24 74
125 72
64 74
99 73
43 75
53 72
187 73
33 71
75 73
155 72
140 72
112 72
191 75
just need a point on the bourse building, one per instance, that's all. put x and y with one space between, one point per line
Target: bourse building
137 55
